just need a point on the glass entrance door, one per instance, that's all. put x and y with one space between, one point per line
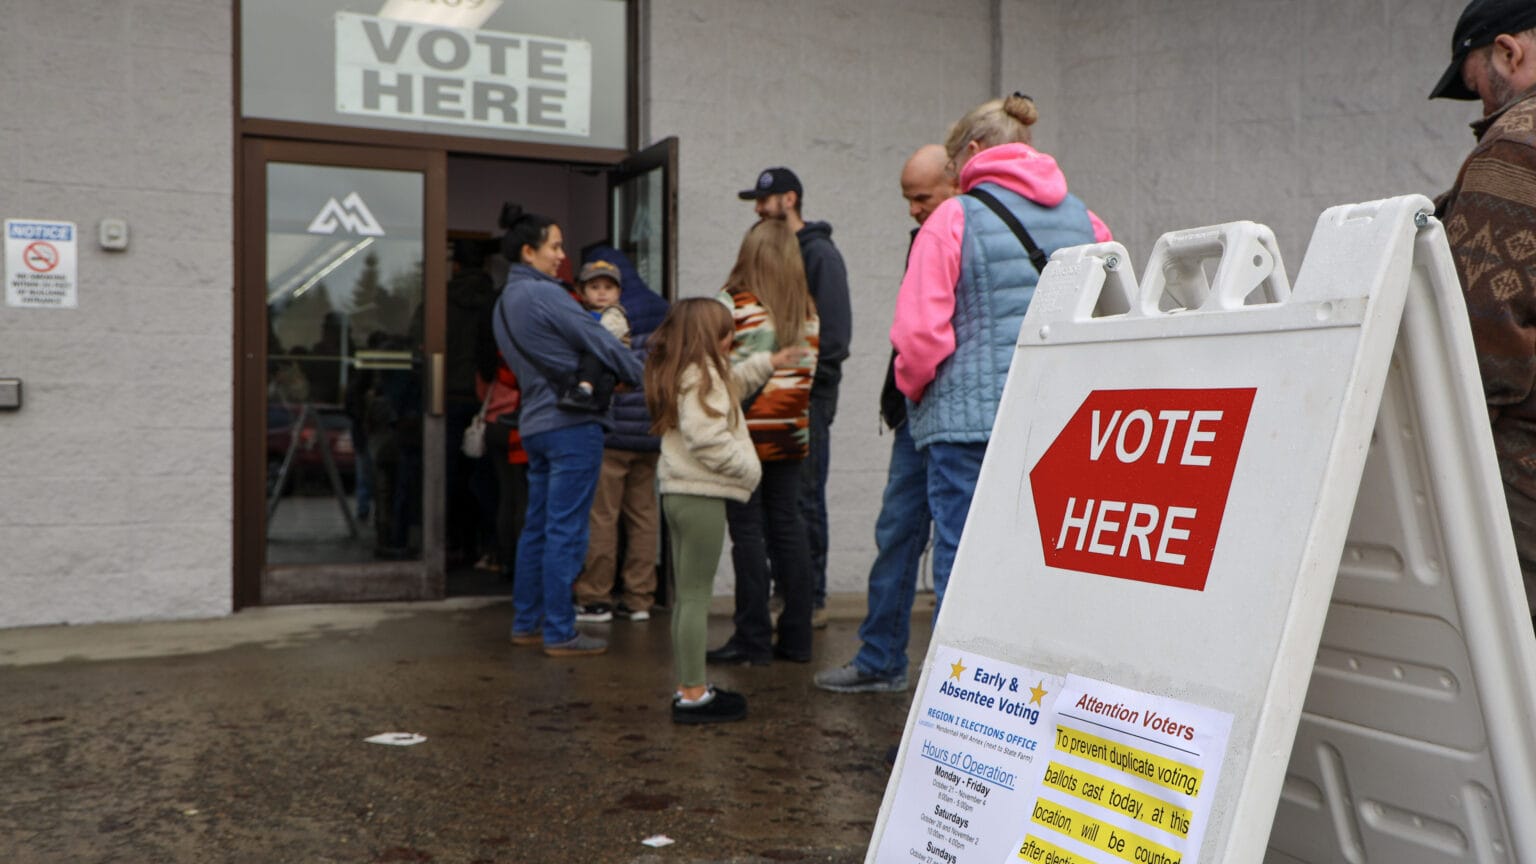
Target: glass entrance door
338 270
642 211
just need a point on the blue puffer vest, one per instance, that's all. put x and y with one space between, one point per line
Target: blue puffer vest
996 284
631 420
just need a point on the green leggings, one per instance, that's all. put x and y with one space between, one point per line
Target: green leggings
696 526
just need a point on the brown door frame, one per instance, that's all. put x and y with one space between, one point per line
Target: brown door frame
255 583
257 140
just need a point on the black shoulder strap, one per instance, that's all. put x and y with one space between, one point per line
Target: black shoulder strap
556 381
1036 257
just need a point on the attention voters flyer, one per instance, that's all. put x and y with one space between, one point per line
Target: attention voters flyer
1129 777
969 766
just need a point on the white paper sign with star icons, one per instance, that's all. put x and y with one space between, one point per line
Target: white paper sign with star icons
971 765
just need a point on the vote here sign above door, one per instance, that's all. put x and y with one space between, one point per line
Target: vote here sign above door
483 78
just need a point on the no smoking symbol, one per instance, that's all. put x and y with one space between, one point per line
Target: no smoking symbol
40 257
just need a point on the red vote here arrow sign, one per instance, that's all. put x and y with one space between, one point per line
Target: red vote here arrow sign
1136 483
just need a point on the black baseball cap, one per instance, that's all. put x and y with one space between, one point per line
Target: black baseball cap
773 181
1481 23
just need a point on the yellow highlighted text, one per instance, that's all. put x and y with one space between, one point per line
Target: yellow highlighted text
1131 760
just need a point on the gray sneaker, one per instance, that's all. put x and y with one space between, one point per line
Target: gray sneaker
581 646
848 679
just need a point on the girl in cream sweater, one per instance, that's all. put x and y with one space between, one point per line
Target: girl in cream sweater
707 457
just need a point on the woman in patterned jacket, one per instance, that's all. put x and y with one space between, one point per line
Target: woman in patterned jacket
772 308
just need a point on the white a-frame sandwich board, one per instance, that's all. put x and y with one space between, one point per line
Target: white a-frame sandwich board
1238 582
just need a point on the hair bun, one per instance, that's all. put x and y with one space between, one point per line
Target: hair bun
510 213
1021 108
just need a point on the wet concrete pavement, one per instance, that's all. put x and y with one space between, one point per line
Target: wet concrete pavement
241 740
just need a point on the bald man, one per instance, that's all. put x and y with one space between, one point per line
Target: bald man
901 531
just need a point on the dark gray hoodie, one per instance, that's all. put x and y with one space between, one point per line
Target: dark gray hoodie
827 278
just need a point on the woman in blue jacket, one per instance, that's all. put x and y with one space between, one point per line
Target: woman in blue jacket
540 327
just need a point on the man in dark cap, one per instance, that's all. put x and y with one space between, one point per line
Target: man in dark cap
777 195
1490 220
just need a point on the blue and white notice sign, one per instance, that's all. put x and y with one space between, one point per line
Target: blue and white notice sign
977 747
40 264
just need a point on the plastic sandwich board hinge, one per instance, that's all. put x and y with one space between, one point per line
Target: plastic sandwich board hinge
1238 582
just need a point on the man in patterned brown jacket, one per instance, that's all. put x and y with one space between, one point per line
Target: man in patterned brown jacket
1490 220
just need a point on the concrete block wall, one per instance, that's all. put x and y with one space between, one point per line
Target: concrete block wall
1172 114
115 478
841 91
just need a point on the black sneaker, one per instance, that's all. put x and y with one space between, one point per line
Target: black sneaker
594 613
623 611
723 707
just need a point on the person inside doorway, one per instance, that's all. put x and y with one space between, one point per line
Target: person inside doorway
471 297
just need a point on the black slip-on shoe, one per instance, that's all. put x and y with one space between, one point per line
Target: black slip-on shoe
723 707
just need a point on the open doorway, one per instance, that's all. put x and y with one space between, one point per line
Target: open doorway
626 207
478 188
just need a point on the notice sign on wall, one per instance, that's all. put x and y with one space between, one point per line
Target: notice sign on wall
1129 777
40 264
982 725
486 78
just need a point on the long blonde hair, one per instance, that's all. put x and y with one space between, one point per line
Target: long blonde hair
990 124
689 336
769 265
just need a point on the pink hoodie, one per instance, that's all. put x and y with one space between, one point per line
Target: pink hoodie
922 333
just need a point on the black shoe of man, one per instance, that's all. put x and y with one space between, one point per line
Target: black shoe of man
731 654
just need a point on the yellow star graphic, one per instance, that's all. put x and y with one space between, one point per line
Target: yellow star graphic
1037 692
956 669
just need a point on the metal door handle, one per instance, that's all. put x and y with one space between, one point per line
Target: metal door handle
437 367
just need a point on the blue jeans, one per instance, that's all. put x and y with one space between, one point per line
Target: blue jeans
952 473
562 476
901 532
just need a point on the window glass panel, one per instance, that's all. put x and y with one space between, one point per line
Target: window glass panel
344 363
639 228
